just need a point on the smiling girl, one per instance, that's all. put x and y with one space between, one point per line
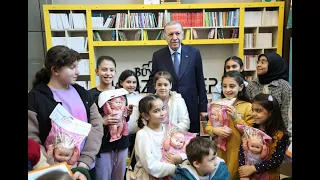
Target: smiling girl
239 113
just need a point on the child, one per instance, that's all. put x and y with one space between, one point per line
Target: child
240 113
233 63
130 82
176 107
272 79
267 116
202 163
149 141
56 83
111 159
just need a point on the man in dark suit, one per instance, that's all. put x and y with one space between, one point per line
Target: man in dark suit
184 63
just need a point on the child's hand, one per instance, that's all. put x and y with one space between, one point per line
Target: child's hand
79 176
74 157
246 170
81 164
220 131
111 119
129 109
232 111
173 158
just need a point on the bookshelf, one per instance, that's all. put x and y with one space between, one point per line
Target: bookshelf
204 24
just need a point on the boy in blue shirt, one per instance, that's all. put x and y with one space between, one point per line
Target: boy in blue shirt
202 163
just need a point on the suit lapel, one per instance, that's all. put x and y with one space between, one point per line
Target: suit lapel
169 64
184 60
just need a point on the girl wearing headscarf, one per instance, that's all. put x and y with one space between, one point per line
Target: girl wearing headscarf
272 79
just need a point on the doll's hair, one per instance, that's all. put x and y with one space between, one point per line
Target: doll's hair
162 74
145 105
242 95
199 147
270 103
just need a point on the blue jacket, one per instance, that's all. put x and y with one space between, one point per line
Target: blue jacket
186 171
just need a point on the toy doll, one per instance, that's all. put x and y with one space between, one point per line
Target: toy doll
117 106
176 141
217 113
254 144
255 149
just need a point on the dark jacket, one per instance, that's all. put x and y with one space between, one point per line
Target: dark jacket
190 82
40 105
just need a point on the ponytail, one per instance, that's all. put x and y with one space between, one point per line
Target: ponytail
140 122
145 105
56 57
42 76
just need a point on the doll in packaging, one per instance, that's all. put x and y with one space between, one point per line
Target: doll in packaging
113 102
217 113
66 135
117 106
255 149
175 141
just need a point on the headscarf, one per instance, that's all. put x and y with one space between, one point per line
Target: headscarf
277 68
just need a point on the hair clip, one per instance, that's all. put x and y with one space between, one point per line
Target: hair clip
270 98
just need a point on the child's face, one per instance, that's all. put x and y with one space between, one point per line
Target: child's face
163 87
230 87
178 140
232 65
157 113
68 74
106 72
259 113
116 103
129 84
209 163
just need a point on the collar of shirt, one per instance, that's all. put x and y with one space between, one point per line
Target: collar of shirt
172 51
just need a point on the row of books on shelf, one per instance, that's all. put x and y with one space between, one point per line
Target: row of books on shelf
258 18
252 40
79 44
250 62
64 21
220 19
143 35
84 84
61 21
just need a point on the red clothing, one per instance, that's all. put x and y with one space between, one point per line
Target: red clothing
33 151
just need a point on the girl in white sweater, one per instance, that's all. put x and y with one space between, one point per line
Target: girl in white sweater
175 105
148 144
